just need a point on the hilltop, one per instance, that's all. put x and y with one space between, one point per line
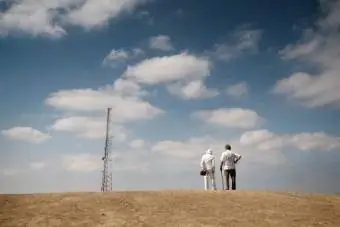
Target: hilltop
170 208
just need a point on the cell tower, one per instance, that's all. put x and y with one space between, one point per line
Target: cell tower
107 172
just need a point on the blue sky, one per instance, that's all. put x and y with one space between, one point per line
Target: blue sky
181 77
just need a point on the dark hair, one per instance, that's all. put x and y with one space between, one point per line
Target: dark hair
227 147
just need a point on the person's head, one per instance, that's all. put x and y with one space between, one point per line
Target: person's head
228 147
209 151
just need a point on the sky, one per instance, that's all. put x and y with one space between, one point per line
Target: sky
181 77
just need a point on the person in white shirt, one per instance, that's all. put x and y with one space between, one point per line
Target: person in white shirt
229 160
208 164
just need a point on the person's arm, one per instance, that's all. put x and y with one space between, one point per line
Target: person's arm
222 161
238 157
202 162
213 164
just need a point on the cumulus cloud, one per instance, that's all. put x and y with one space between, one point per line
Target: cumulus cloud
186 149
256 136
262 140
26 134
306 141
183 74
190 151
124 108
137 144
237 90
124 98
295 51
115 57
51 17
128 88
230 117
89 127
32 17
315 141
312 90
259 146
319 48
242 41
94 13
118 57
195 89
167 69
161 42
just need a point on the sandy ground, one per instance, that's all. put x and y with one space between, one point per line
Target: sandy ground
170 208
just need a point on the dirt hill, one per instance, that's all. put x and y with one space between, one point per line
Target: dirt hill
170 208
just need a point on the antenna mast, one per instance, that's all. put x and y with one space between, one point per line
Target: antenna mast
107 172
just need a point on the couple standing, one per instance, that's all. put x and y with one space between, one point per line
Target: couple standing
228 164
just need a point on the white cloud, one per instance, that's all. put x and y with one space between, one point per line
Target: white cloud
167 69
193 90
295 51
89 127
332 19
115 57
312 90
137 144
124 98
256 136
242 41
95 13
82 162
319 48
161 42
181 149
50 17
87 163
315 141
27 134
128 88
37 165
230 117
237 90
33 17
182 73
262 140
124 108
259 146
266 140
120 56
187 149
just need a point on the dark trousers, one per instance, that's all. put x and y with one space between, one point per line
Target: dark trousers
232 174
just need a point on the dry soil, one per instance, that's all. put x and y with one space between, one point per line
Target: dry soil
170 208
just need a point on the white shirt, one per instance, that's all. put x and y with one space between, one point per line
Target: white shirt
229 157
208 161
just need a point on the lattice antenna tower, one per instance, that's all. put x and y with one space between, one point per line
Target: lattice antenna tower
107 159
